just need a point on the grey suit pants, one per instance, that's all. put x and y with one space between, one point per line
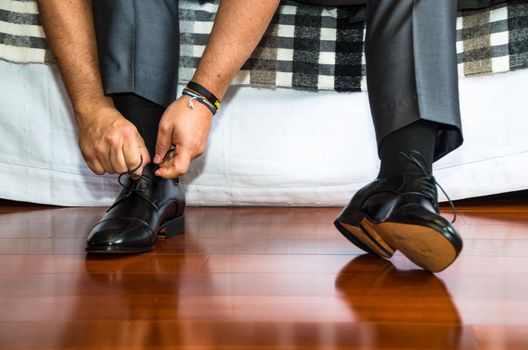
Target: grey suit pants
410 52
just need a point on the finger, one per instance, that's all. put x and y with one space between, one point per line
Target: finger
96 167
117 160
145 155
180 164
168 161
163 142
132 155
104 159
169 157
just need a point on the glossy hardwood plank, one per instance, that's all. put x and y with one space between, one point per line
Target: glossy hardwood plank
78 264
251 284
49 223
383 294
234 335
505 231
465 266
261 215
251 245
264 275
492 216
155 263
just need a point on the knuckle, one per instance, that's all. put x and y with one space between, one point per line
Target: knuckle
111 138
99 149
164 127
128 134
132 163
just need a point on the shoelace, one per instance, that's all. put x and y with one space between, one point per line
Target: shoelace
417 158
136 187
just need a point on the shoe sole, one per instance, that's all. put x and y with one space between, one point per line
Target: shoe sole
424 246
365 237
169 229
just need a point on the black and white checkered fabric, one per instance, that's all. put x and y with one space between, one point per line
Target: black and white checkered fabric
305 48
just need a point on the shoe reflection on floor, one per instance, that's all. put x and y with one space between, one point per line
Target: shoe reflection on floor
398 308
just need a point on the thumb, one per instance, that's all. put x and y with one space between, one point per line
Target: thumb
177 166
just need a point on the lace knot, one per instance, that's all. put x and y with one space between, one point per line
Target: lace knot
138 186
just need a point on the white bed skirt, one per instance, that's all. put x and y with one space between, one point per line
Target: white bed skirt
282 147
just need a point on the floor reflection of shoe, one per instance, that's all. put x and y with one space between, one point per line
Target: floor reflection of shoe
398 309
402 213
146 207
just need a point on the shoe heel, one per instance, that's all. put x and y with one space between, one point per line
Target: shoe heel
357 228
352 216
172 227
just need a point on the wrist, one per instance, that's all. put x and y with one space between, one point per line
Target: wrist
91 107
97 116
90 110
215 83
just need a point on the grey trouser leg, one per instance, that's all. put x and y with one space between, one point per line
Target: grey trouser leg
138 43
412 67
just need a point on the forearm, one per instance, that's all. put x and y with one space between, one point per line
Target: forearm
70 31
238 28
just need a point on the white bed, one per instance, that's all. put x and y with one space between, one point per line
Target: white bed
267 147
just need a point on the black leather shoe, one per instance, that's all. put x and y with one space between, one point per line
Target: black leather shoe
146 208
402 213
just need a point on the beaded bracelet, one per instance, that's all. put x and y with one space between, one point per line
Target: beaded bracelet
200 90
200 99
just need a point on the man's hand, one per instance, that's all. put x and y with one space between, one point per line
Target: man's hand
110 143
185 128
238 27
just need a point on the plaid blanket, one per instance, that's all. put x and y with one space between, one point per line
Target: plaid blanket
305 48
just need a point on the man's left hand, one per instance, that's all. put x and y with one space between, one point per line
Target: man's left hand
185 128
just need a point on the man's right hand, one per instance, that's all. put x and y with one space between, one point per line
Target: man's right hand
110 143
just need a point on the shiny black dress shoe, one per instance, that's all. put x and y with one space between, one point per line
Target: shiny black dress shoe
402 213
146 208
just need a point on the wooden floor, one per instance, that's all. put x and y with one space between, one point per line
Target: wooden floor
259 278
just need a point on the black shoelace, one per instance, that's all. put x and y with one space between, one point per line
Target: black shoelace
138 187
417 158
